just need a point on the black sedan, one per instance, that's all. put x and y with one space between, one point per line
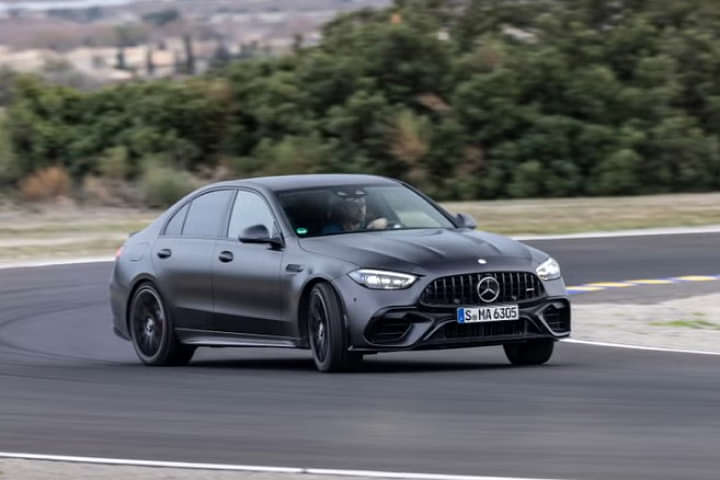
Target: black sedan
343 265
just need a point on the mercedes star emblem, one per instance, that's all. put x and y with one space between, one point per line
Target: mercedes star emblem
488 289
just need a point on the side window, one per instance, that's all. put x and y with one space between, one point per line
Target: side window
174 226
207 214
404 204
249 210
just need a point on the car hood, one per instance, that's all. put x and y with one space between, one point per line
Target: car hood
420 251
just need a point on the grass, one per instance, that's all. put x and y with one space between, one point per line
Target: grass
66 225
694 324
573 215
64 231
47 230
94 248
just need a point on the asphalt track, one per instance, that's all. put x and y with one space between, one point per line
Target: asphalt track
69 387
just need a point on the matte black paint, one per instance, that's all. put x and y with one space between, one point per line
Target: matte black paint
221 288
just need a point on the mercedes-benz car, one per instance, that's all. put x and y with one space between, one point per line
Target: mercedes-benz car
342 265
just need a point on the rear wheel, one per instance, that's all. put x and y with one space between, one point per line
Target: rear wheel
152 332
535 352
326 330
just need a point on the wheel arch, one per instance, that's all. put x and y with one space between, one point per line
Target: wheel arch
305 300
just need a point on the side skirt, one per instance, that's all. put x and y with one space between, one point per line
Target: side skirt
210 338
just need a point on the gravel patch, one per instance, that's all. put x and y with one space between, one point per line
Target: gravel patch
687 323
51 470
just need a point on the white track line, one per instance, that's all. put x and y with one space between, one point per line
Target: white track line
643 232
638 347
405 476
50 263
252 468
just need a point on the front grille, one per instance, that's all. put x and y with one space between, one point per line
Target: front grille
558 319
462 289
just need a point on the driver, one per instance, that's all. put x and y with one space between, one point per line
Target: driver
349 213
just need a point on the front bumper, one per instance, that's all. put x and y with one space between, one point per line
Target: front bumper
393 320
416 329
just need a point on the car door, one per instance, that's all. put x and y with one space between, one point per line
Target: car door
246 279
182 257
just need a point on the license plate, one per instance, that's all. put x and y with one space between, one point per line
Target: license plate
496 313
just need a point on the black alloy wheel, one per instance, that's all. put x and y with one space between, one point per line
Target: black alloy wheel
326 330
152 331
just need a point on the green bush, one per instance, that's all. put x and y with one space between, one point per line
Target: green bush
162 186
7 78
467 100
562 179
114 163
290 155
9 169
617 174
527 180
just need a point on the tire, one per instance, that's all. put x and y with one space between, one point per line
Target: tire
326 332
535 352
152 331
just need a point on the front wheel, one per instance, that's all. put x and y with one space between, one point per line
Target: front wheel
326 330
152 332
534 352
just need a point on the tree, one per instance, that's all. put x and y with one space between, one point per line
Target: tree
149 63
466 98
162 17
189 54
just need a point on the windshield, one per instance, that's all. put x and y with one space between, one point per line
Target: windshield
333 210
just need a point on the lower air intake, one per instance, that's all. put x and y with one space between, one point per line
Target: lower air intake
488 329
557 318
389 330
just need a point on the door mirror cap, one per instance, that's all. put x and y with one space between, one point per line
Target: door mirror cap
464 220
260 234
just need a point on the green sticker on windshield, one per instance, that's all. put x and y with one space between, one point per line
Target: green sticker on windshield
301 231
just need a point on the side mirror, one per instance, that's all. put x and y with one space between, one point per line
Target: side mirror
465 221
260 234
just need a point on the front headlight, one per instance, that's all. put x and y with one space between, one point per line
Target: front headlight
548 270
382 280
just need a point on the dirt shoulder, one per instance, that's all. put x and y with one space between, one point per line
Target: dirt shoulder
65 230
686 323
573 215
51 470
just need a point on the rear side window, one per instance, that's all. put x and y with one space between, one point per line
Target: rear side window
174 226
206 217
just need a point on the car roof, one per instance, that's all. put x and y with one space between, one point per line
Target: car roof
292 182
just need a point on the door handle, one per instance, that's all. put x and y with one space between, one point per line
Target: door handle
164 253
226 256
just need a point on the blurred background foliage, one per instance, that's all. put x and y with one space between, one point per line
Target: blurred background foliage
465 99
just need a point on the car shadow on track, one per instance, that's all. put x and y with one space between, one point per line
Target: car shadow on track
370 366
